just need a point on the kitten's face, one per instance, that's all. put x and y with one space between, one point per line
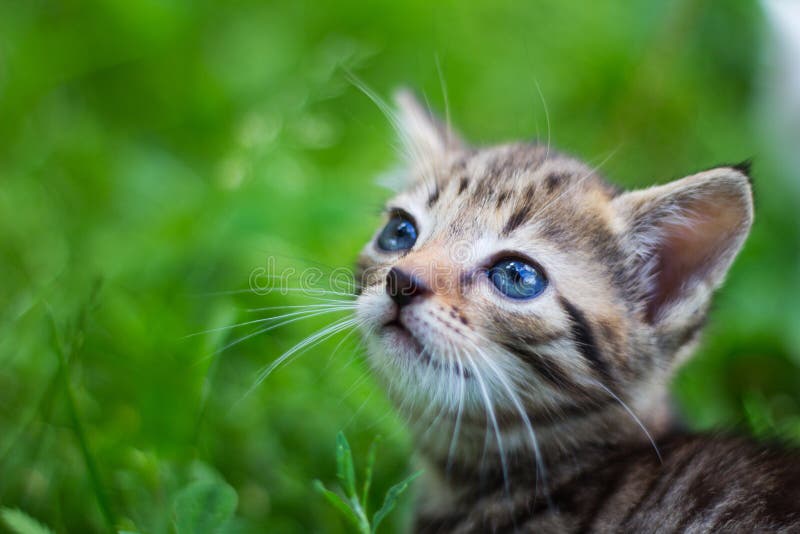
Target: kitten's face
509 247
512 286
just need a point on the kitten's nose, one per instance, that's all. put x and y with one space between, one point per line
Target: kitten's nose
403 287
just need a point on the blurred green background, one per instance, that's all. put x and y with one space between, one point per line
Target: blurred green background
154 153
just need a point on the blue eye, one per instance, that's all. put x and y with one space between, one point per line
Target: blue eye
398 234
517 279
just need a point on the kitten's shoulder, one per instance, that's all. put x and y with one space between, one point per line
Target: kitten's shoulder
714 482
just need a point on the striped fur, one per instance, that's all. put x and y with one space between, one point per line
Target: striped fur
552 414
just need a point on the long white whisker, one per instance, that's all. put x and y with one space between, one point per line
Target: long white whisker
339 345
409 147
444 405
305 283
492 417
311 292
459 410
267 329
633 416
541 472
308 342
568 190
279 290
443 85
311 313
546 117
348 303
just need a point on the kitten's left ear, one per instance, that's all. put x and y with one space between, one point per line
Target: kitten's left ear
683 237
425 136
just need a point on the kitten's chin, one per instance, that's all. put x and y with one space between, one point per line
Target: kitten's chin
398 339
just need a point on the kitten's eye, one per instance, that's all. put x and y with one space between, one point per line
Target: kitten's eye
398 234
517 279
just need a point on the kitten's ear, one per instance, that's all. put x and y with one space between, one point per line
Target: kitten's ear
425 136
683 237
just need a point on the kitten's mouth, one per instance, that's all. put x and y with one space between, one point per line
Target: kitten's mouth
402 340
397 330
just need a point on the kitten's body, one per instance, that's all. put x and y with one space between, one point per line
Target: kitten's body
702 484
549 413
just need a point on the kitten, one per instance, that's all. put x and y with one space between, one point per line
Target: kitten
526 317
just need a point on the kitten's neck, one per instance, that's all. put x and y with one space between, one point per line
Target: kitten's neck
470 452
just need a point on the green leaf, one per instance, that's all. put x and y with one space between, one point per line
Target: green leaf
390 501
204 507
339 503
344 466
368 472
19 522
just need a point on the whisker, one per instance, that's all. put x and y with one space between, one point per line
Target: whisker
349 304
310 283
366 374
305 344
339 345
305 290
267 329
568 190
443 85
633 416
311 313
261 293
546 117
354 386
540 472
491 417
408 146
459 411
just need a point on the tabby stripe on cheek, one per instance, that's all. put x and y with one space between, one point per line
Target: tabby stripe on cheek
545 368
584 338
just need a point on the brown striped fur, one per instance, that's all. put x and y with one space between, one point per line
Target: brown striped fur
551 414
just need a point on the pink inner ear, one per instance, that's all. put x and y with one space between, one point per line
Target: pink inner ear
692 244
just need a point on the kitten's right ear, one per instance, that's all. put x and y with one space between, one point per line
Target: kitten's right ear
683 237
426 138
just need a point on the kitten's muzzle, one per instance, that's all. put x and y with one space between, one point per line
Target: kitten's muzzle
404 287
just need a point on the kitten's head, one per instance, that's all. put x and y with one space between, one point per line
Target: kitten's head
512 290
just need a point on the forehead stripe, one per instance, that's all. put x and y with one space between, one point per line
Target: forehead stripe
434 196
517 219
463 184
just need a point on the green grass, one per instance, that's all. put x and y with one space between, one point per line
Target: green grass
155 153
352 501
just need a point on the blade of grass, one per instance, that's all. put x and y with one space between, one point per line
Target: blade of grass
390 501
43 406
358 521
214 341
19 522
344 466
368 473
72 410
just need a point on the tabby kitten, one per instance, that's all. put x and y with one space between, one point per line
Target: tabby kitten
526 317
